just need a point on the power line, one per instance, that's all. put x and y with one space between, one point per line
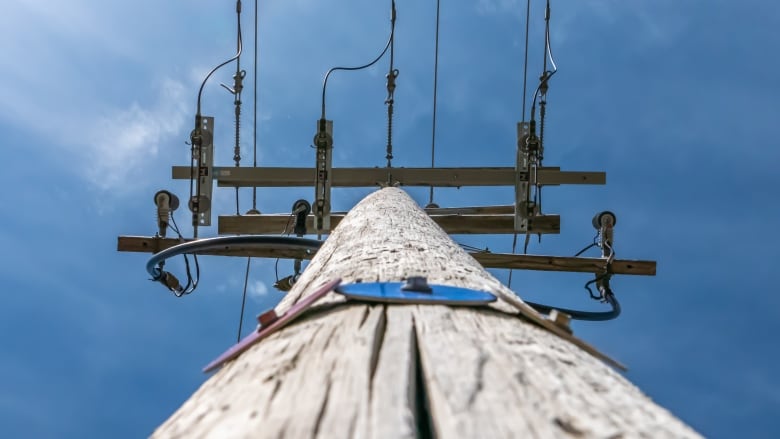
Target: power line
525 90
243 300
254 120
435 89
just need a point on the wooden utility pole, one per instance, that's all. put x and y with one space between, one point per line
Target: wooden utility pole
349 369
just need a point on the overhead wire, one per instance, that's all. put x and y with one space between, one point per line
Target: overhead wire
254 113
391 76
198 119
238 87
541 89
541 94
243 300
435 92
364 66
237 90
525 90
254 163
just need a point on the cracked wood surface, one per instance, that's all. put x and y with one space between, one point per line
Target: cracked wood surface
396 371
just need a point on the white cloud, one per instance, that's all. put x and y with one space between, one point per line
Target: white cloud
499 6
258 290
63 89
118 143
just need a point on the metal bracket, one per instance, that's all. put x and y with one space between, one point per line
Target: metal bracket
522 186
200 204
323 140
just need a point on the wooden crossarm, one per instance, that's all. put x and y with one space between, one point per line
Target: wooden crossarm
563 263
451 223
150 244
370 177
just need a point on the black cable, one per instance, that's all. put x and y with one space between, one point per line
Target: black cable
514 248
254 122
525 62
606 296
238 87
589 246
435 89
191 284
365 66
198 120
585 249
525 89
155 264
219 66
285 232
243 300
392 74
546 75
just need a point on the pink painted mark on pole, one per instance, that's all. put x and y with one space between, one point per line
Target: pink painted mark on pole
270 323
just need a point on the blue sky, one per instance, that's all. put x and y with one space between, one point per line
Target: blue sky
675 100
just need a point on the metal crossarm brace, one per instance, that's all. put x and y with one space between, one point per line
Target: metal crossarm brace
203 153
522 187
323 140
529 172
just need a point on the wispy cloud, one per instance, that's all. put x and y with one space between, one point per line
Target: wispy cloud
123 139
60 86
651 22
258 290
498 6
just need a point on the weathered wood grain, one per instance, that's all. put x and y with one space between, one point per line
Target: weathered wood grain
563 263
482 367
356 370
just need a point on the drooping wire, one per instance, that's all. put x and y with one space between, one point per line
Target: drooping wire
195 137
285 232
365 66
224 63
525 89
541 89
435 88
595 243
192 282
